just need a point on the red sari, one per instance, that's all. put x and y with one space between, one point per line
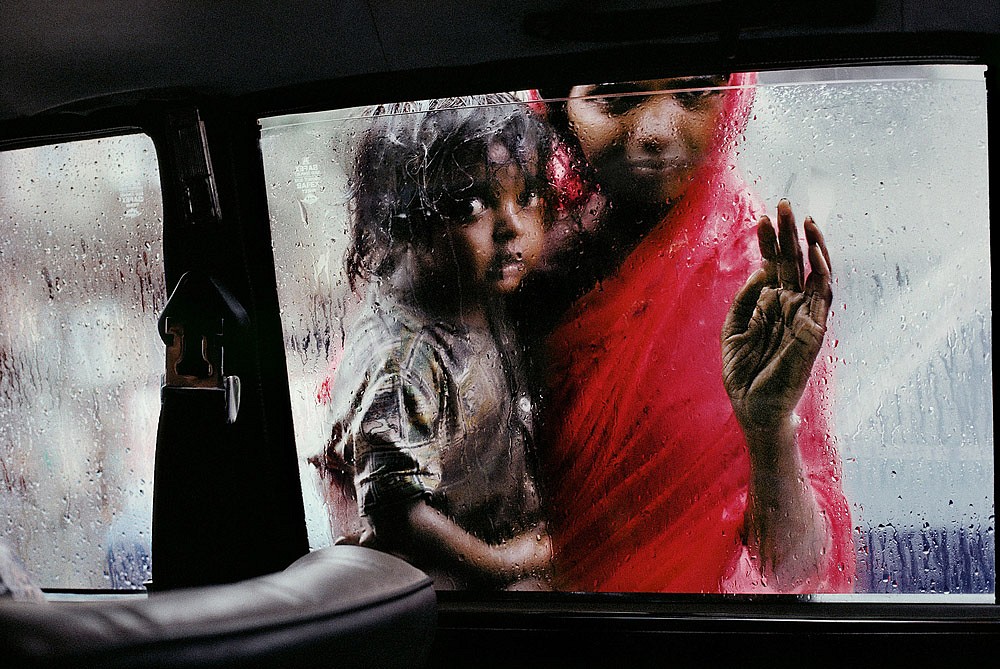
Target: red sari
646 466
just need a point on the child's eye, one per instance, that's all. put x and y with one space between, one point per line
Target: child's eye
464 210
529 199
476 207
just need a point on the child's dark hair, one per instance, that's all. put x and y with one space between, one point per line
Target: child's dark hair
415 161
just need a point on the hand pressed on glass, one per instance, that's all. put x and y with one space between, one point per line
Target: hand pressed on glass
770 340
776 325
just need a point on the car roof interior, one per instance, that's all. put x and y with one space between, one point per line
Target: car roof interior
59 55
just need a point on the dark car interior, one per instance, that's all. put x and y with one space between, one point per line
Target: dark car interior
232 577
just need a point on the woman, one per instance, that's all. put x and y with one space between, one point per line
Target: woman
661 478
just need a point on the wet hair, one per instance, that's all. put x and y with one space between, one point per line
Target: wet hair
416 164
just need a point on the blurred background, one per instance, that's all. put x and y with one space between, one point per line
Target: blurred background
81 287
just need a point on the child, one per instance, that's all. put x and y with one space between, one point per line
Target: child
431 409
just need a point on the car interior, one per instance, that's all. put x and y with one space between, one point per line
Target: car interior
177 185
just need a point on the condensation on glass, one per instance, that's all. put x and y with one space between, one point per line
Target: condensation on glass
893 164
82 280
897 168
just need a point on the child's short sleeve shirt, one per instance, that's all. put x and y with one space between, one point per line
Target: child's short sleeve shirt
438 412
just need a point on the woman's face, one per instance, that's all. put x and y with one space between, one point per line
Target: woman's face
645 139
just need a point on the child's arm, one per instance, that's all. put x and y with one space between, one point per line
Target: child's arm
427 536
405 424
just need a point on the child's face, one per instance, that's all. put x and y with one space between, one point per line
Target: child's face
493 236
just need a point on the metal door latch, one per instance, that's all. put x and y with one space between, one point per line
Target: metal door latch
197 318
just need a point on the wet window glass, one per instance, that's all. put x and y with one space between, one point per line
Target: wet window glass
723 334
82 274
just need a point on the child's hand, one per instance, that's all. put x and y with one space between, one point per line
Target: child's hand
431 540
530 554
364 538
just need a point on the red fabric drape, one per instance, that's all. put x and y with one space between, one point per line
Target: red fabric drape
646 467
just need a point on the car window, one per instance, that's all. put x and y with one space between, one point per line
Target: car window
80 364
895 426
904 172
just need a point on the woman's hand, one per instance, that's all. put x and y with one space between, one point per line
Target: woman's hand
775 327
770 339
